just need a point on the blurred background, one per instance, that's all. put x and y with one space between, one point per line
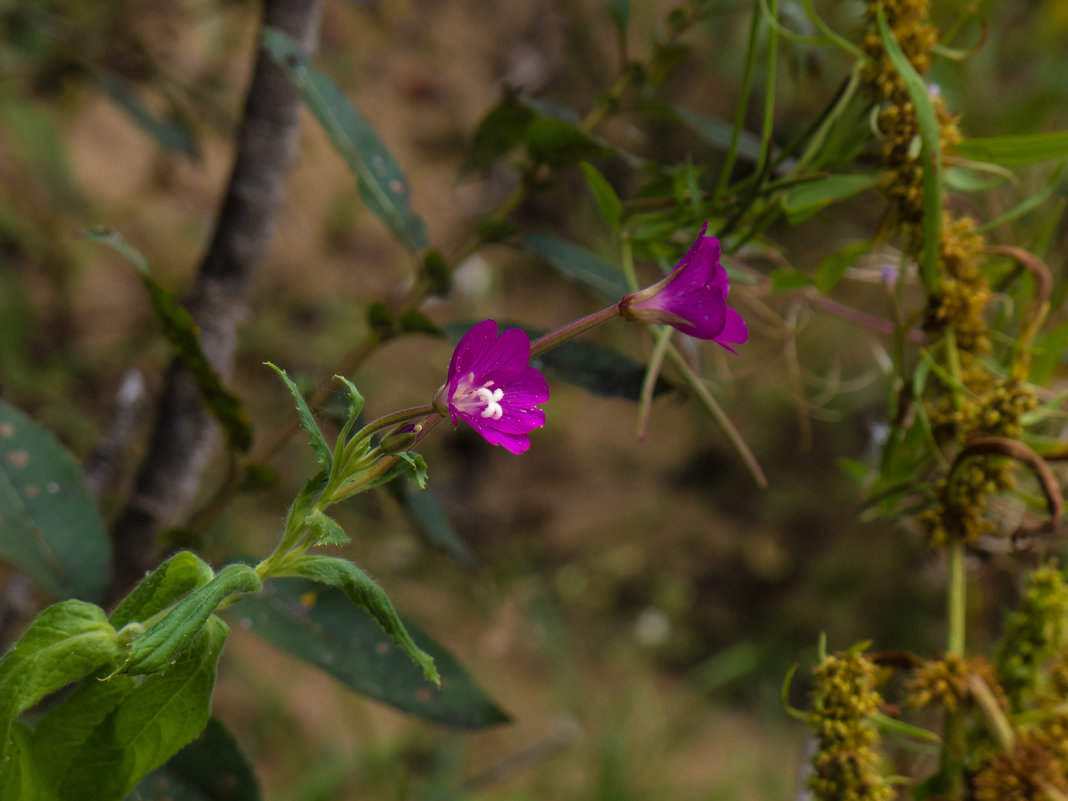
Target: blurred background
634 605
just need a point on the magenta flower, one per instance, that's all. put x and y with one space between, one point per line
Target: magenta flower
691 298
492 387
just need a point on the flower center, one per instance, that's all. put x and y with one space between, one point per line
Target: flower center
470 399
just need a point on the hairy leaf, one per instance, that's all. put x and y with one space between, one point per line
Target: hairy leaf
130 724
179 575
307 422
211 768
365 593
65 643
159 645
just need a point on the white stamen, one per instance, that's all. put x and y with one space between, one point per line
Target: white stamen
492 400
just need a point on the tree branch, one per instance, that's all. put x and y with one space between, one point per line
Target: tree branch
185 434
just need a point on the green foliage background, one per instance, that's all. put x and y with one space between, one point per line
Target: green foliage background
633 606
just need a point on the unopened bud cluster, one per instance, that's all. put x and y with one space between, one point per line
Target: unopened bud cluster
846 764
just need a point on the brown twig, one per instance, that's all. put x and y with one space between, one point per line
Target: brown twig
184 433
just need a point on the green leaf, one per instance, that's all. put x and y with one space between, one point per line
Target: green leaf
931 153
787 280
355 406
327 531
211 768
131 725
323 627
179 575
65 643
1028 204
183 335
307 422
366 594
802 201
156 648
50 527
502 130
20 777
1015 151
602 371
831 270
964 179
382 185
560 143
426 513
579 264
173 134
717 133
604 195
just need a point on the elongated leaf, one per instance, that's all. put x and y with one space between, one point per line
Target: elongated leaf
579 264
66 642
604 195
1015 151
130 724
323 627
382 185
159 645
931 153
307 422
717 133
183 336
172 134
366 594
211 768
179 575
804 200
49 525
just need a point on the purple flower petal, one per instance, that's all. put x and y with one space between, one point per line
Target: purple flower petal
492 387
692 298
734 330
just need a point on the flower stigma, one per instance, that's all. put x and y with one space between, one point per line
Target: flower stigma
470 399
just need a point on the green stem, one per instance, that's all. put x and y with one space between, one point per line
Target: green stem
743 102
769 91
953 723
394 419
652 372
955 597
